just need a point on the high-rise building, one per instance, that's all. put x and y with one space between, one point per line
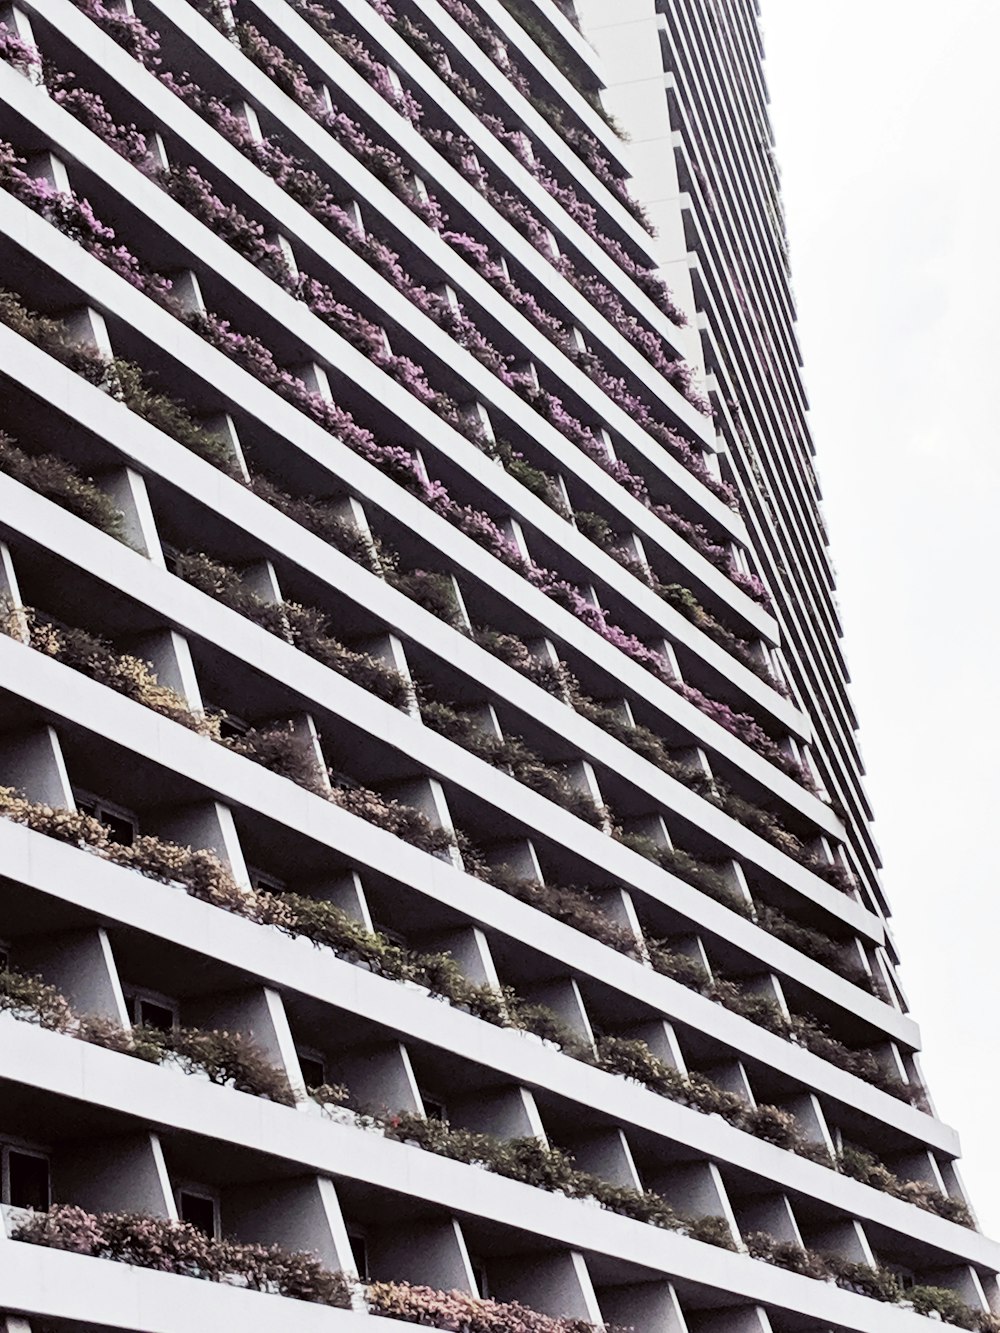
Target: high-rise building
437 881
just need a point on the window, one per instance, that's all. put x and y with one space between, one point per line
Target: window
261 880
434 1108
313 1069
121 824
200 1209
152 1010
395 937
359 1249
151 1014
26 1179
479 1277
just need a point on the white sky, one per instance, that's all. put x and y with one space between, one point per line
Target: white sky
887 115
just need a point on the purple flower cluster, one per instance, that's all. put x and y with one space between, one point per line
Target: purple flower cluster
75 219
22 55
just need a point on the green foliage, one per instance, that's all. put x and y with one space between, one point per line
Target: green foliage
534 1163
64 485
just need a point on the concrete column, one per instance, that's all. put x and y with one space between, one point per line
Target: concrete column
127 489
666 650
736 878
653 827
427 795
581 776
463 611
204 825
661 1038
348 894
769 986
962 1279
432 1254
617 904
771 1213
564 999
156 151
284 246
258 1013
89 328
380 1078
81 965
248 115
513 530
478 416
557 1284
299 1214
388 648
306 737
651 1307
609 1156
315 378
846 1239
45 166
470 949
223 427
696 1189
740 1319
519 857
121 1175
16 20
11 604
806 1109
922 1166
510 1113
731 1076
169 654
186 292
32 762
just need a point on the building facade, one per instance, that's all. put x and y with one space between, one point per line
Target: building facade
438 883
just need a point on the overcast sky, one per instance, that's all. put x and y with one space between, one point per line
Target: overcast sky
887 115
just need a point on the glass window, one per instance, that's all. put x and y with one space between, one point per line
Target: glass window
27 1180
359 1248
153 1014
313 1070
200 1211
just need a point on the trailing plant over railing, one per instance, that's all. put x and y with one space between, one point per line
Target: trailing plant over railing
170 1246
351 47
598 530
470 1314
304 627
190 189
50 476
226 1058
176 1247
512 754
534 1163
75 218
22 55
97 658
432 590
122 379
877 1283
206 878
864 1166
573 906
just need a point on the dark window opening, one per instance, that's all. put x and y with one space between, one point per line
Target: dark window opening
28 1175
198 1211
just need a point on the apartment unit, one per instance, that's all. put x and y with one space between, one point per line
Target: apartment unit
438 884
